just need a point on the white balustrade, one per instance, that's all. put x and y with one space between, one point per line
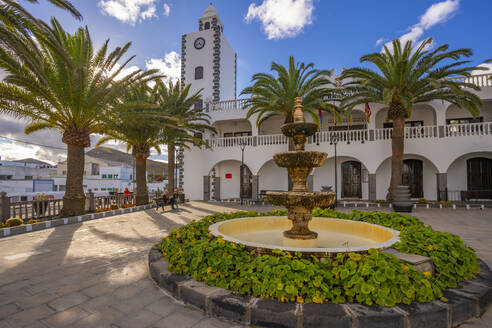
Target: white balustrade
480 80
341 135
419 132
231 142
383 134
227 105
272 139
469 129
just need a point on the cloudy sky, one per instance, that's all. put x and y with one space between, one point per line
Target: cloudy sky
330 33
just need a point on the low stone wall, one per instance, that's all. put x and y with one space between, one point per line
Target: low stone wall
25 228
470 299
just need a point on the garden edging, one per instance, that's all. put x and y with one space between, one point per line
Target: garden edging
25 228
470 299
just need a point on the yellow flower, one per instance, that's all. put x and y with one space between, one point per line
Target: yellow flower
405 267
180 251
300 299
427 274
209 269
430 247
317 299
284 299
210 235
178 234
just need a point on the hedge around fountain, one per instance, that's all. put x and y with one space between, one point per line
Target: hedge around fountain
374 277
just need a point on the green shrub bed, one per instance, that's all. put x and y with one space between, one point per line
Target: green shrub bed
373 277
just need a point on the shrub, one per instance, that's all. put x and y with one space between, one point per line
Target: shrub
422 200
3 225
115 207
443 202
128 205
31 221
99 210
373 277
12 222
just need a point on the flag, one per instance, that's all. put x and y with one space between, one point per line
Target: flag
368 113
350 120
334 120
320 114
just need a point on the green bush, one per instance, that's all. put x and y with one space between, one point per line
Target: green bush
374 277
12 222
114 207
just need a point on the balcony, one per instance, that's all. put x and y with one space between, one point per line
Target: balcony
363 135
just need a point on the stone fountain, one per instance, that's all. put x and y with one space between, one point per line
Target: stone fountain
299 164
292 233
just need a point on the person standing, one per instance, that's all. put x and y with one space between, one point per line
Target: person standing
175 199
126 194
165 199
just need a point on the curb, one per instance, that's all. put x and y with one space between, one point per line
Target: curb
470 299
26 228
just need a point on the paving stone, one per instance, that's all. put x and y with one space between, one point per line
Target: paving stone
103 318
37 299
230 306
269 313
325 315
164 306
376 316
66 318
68 301
179 319
98 290
425 315
8 309
23 318
141 318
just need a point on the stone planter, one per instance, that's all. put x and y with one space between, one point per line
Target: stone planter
402 201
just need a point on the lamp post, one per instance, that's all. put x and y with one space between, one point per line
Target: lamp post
242 145
334 141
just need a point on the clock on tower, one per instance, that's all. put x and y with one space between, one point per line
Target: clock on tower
207 59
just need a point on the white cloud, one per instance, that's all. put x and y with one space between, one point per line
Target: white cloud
124 72
167 9
437 13
129 11
488 66
282 18
380 41
169 66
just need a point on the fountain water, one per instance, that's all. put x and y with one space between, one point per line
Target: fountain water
329 236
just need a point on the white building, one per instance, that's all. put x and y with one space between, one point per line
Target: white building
448 154
26 176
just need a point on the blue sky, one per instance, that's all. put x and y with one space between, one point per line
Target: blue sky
330 33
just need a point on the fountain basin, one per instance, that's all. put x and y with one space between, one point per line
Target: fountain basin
304 128
300 159
334 235
308 199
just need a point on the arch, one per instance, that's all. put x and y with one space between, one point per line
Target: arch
198 72
456 115
207 25
229 173
423 114
272 177
429 180
233 128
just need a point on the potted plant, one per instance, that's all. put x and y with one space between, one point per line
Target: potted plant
40 204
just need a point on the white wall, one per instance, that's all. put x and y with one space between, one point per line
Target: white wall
272 177
272 125
419 113
229 188
455 112
231 126
457 171
227 70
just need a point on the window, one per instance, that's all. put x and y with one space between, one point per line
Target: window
28 177
104 176
407 124
115 176
55 187
237 134
465 120
5 177
199 73
64 173
207 25
199 104
61 188
103 189
110 176
96 189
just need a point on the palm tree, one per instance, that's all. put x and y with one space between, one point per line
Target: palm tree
408 76
139 123
60 82
193 121
274 95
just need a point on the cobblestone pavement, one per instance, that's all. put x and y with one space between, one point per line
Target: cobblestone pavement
95 274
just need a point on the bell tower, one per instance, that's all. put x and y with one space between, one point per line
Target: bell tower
208 60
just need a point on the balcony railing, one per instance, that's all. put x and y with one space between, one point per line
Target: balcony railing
363 135
481 80
469 129
226 105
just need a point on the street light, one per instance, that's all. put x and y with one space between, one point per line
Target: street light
334 141
242 145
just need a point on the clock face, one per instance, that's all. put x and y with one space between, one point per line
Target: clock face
199 43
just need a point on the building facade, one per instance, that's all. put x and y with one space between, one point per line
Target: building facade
448 153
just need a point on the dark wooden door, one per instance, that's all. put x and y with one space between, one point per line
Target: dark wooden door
245 183
351 179
479 173
413 176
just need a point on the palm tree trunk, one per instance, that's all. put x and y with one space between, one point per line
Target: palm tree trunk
74 198
171 149
142 195
397 149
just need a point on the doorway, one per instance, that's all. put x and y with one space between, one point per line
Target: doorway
351 180
412 176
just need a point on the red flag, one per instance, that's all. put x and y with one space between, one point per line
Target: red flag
320 114
368 113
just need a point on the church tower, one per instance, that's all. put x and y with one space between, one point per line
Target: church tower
208 60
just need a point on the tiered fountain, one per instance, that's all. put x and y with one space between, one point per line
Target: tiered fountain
329 236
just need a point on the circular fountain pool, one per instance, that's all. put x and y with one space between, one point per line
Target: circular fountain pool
334 235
